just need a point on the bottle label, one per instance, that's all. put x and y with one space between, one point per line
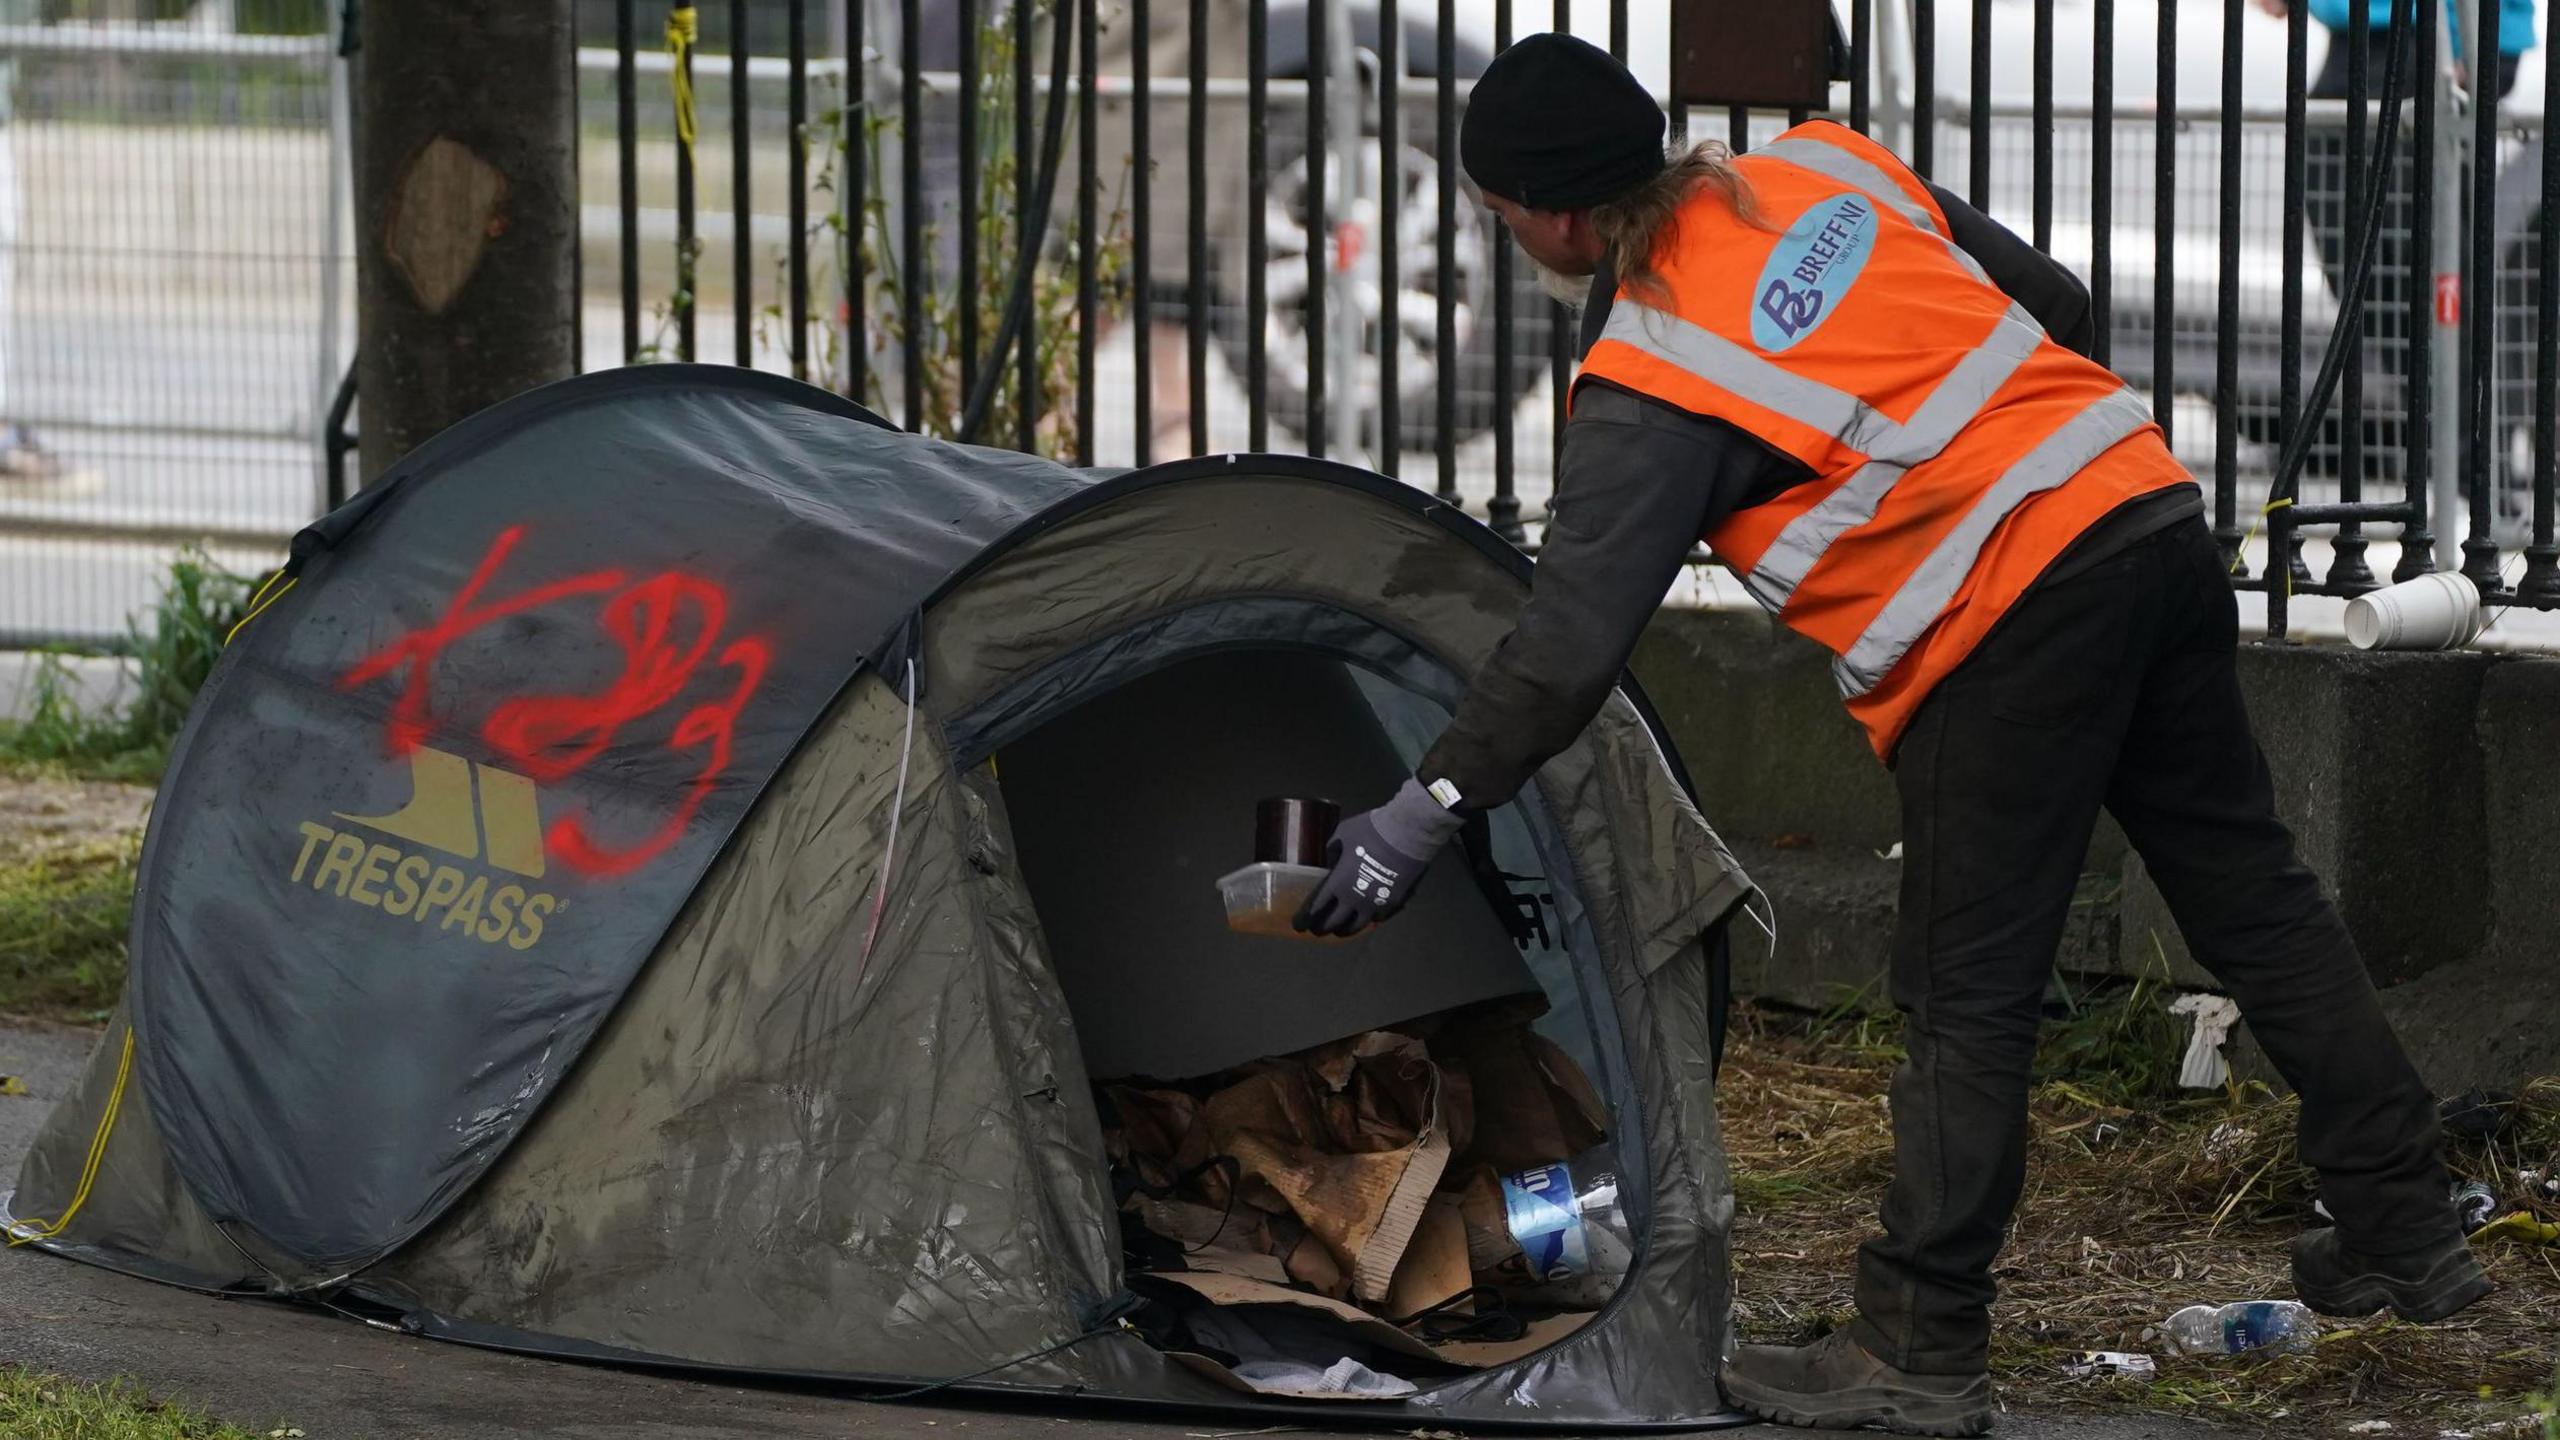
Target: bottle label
1546 1222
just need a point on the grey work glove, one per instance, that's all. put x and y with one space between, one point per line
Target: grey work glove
1375 860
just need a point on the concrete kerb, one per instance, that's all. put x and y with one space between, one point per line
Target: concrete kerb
2424 788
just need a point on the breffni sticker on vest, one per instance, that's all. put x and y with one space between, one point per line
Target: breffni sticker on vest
1811 270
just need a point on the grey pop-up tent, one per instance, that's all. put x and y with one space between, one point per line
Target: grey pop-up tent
655 878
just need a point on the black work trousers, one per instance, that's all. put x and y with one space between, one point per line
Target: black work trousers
2114 686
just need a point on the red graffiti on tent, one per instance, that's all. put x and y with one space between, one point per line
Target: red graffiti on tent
666 626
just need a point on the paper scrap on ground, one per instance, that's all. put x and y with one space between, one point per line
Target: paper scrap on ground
2213 1015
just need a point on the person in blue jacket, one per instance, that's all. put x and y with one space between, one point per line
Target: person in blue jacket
2515 37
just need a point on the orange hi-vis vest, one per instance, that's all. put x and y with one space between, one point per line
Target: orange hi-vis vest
1956 450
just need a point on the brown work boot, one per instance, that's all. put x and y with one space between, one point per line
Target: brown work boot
1834 1384
2423 1285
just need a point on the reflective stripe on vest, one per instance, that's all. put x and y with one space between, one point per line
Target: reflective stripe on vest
1884 449
1950 407
1824 158
1892 449
1915 607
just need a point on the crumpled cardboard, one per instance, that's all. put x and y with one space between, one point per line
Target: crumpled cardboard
1531 1104
1202 1227
1435 1265
1159 1135
1367 1167
1236 1290
1252 1265
1347 1140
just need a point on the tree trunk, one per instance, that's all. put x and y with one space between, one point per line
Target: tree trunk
466 172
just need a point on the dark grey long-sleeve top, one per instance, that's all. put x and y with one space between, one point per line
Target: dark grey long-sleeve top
1637 484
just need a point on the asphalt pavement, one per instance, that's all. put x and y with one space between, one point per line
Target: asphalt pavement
266 1366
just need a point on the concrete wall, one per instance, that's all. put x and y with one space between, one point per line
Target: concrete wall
1790 782
2425 790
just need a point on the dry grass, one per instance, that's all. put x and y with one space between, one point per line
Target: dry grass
2140 1199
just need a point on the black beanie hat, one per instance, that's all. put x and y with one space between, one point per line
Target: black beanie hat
1556 124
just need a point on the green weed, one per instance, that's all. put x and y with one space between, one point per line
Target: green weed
170 656
45 1407
2116 1044
63 917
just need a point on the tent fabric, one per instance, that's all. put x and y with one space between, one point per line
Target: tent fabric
796 547
740 1105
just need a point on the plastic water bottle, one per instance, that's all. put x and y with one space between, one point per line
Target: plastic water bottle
2279 1327
1574 1240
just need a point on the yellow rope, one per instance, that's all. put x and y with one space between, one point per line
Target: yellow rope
259 602
684 27
2240 556
35 1230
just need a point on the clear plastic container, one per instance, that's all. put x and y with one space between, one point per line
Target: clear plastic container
1263 898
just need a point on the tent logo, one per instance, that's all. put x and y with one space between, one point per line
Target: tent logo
440 814
464 810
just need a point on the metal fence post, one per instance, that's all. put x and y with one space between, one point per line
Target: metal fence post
1318 426
1504 511
1862 21
798 280
1560 320
681 20
2043 173
853 199
1343 312
2102 178
2164 263
2347 564
1088 226
1257 239
2226 316
1977 120
1026 185
2289 325
2480 299
326 369
1195 306
1142 399
2541 584
626 102
912 260
1444 371
742 249
2417 543
1391 64
966 291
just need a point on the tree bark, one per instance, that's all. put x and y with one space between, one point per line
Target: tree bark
466 172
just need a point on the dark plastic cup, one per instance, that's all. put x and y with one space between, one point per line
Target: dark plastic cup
1289 831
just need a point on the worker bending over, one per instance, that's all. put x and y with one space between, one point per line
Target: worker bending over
1876 405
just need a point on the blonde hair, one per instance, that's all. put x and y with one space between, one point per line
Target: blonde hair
1638 226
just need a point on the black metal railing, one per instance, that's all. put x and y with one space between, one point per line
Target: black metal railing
1260 238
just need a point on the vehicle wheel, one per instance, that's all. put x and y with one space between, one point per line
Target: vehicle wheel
1414 315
